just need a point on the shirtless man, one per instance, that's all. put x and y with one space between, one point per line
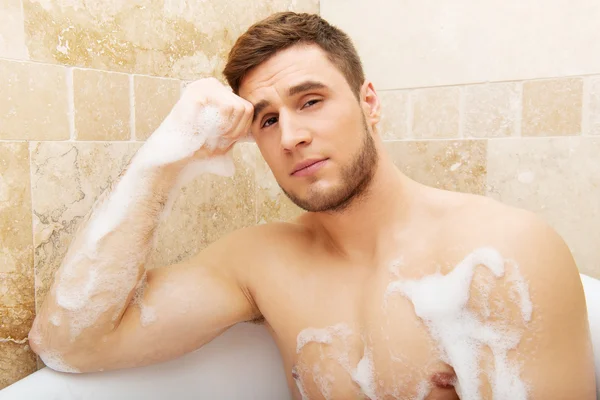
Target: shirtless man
383 289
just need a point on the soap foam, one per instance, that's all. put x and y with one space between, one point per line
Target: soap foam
423 390
55 361
321 335
108 290
299 384
147 313
440 301
55 319
364 375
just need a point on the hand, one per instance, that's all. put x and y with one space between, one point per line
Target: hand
205 123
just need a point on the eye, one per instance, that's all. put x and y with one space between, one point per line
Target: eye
311 103
272 120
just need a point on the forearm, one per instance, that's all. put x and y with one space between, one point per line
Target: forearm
106 258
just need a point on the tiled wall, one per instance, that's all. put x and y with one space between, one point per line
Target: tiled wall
83 84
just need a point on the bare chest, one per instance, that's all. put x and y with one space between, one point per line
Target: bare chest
370 335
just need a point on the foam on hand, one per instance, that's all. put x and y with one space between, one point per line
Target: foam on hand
441 302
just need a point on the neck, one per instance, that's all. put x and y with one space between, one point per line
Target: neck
360 231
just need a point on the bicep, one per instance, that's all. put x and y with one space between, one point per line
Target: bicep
180 308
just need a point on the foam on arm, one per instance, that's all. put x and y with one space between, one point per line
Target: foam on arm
105 261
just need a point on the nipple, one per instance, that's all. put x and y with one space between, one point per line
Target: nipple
444 380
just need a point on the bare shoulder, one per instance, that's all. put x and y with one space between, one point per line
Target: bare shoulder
539 293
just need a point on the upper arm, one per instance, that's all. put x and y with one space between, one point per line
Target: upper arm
181 307
554 352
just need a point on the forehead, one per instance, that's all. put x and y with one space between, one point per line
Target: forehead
288 68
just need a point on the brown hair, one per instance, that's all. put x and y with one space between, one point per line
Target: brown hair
285 29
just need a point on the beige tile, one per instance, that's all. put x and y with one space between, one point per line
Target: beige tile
594 106
102 106
457 165
552 107
154 98
491 110
16 362
558 178
206 209
272 204
394 114
182 39
435 112
439 43
33 104
66 180
12 34
16 251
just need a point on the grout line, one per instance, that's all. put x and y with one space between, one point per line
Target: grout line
35 276
585 107
518 111
23 28
9 339
71 104
131 109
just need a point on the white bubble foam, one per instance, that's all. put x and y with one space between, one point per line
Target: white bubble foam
440 301
321 335
106 283
423 390
299 384
54 360
55 319
364 375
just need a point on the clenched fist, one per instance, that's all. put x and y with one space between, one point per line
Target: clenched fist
206 122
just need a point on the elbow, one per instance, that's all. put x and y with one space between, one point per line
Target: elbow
53 357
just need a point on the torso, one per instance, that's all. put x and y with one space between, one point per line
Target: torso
342 330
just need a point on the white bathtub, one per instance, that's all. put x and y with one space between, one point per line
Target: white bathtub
242 364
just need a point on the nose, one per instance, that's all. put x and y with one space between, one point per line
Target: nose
293 134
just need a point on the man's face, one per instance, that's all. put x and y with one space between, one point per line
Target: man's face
305 112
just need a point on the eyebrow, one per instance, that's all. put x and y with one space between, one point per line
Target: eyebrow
294 90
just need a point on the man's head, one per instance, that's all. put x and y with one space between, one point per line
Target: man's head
311 102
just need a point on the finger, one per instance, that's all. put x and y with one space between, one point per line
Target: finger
242 120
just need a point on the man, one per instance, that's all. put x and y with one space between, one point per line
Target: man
384 288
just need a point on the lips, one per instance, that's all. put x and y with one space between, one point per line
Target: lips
305 164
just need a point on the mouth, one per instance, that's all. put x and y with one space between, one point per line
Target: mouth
309 167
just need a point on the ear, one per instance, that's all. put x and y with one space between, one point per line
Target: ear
370 103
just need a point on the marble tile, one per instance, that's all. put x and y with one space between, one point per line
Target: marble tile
16 362
558 178
272 204
594 106
67 177
12 34
33 104
181 39
491 110
435 112
16 251
457 165
207 209
552 107
154 98
102 105
394 114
